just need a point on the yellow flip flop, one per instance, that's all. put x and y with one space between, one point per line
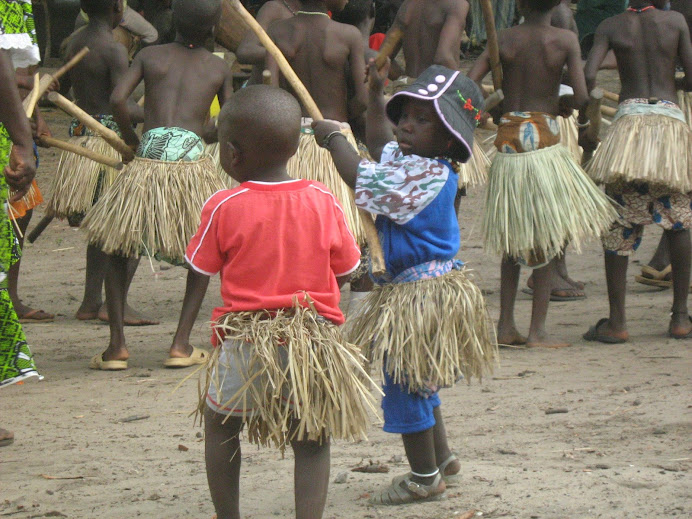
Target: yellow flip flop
198 356
97 362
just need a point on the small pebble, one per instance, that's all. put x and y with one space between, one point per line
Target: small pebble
341 477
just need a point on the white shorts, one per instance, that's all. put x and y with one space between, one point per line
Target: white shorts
229 392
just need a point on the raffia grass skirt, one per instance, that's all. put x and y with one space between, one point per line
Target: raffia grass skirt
429 331
213 151
685 104
537 202
79 181
322 385
569 135
153 207
645 148
475 171
33 198
314 163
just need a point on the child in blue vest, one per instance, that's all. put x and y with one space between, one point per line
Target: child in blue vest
426 322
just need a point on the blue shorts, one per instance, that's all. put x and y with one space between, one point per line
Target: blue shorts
404 412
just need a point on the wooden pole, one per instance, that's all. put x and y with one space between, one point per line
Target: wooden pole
266 77
40 227
593 114
391 41
492 45
376 253
79 150
610 96
108 135
47 80
608 110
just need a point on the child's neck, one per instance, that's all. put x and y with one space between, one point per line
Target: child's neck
101 22
274 175
189 43
537 18
639 4
313 7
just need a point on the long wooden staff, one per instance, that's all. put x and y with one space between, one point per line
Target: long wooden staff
376 254
391 41
47 79
79 150
492 44
108 135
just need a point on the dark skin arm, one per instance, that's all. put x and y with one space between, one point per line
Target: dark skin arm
601 46
21 169
250 51
378 132
120 100
357 104
685 55
450 36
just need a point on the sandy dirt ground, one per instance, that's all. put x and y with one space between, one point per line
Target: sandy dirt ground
620 448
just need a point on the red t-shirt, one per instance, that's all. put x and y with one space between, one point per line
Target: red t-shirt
375 41
271 241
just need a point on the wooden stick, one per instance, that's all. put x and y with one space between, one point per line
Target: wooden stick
494 99
376 253
593 114
610 96
47 79
492 45
391 41
84 152
108 135
266 77
608 110
40 227
33 98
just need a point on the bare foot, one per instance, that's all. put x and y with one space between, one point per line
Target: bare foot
561 289
115 353
603 331
680 326
88 312
510 337
132 317
180 351
26 313
542 340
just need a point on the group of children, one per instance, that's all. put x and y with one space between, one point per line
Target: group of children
283 244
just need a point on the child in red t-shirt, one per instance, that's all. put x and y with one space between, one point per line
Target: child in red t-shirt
282 248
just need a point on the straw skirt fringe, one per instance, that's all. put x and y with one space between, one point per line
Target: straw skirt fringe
32 199
213 151
321 387
645 148
475 171
685 104
538 201
79 181
153 207
569 135
429 331
314 163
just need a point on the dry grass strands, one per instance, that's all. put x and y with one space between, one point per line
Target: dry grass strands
297 357
475 171
153 206
429 330
569 135
538 201
213 151
645 148
314 163
79 181
685 104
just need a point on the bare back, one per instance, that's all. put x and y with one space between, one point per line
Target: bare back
328 57
533 57
95 76
180 85
561 16
646 46
432 33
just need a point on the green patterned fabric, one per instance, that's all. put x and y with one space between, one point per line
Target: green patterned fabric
171 144
18 32
16 361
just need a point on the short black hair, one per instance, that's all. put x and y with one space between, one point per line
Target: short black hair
541 6
264 119
355 12
194 19
95 7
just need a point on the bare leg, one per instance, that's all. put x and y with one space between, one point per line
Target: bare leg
116 281
13 277
538 337
420 451
680 250
222 456
132 317
311 479
92 301
661 258
442 450
562 285
616 280
509 282
195 289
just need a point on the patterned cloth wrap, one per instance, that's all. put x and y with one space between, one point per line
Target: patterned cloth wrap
429 270
171 144
18 32
641 203
521 132
79 129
